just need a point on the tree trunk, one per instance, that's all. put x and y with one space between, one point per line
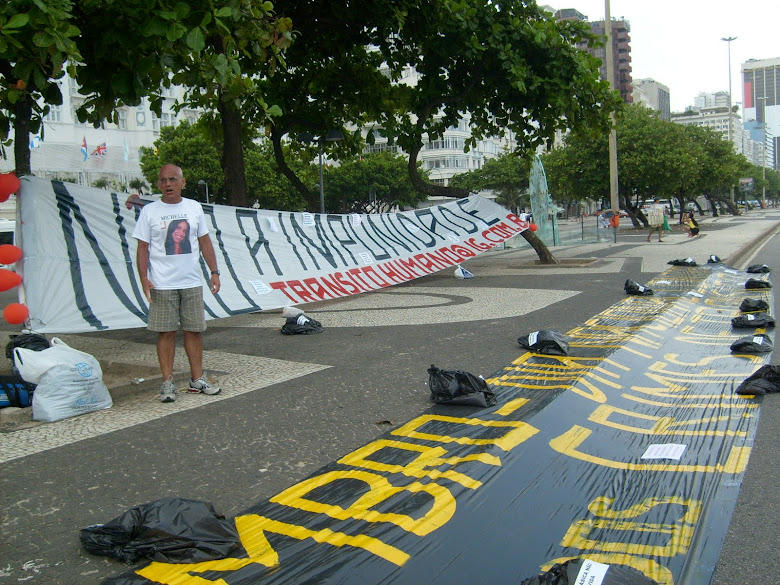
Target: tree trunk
233 155
545 256
312 200
22 115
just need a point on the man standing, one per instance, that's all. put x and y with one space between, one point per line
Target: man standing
655 217
172 280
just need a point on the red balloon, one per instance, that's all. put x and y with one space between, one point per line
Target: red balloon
10 254
4 198
9 183
9 279
16 313
533 227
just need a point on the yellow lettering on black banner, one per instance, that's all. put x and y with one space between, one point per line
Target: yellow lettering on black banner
603 507
678 537
660 425
182 574
252 529
516 432
648 567
380 489
427 458
568 443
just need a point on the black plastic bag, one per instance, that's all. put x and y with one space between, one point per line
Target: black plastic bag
568 573
301 325
764 380
545 341
169 530
752 320
683 262
758 343
713 260
751 305
634 288
754 283
33 341
758 268
459 387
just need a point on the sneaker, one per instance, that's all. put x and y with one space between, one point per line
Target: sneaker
168 391
203 386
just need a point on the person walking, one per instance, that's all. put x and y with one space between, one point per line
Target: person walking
172 235
655 217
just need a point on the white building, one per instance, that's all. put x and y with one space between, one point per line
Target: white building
711 100
77 152
653 95
716 118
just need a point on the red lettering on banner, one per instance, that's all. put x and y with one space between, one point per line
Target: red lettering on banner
411 265
282 286
317 288
388 270
425 263
299 289
462 251
449 255
516 220
339 277
374 277
334 287
354 275
478 246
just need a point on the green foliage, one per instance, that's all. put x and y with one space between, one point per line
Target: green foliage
507 175
195 149
37 41
656 158
376 183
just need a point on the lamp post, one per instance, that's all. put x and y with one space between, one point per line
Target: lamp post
763 152
731 142
330 136
613 166
205 185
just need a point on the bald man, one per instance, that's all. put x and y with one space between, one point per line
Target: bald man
172 234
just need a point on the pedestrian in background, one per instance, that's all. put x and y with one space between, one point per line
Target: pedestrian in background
656 214
171 277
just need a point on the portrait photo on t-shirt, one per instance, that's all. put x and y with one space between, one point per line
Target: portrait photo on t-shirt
177 238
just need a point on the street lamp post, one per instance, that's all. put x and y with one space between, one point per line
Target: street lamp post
330 136
613 166
205 185
731 142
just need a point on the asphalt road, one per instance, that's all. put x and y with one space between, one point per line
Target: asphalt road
370 375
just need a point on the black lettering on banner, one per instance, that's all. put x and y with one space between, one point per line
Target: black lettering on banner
260 243
386 237
344 241
383 255
410 227
454 216
129 260
421 214
462 203
394 232
293 245
66 206
208 211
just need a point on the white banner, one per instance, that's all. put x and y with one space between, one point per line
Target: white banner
79 269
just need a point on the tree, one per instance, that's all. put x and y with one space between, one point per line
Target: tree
217 51
37 46
195 148
376 183
507 175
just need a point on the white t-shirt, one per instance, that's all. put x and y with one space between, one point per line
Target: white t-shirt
172 231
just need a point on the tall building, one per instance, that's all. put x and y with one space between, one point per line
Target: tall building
761 104
653 95
712 100
715 118
621 49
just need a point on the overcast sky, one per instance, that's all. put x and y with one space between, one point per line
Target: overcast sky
678 44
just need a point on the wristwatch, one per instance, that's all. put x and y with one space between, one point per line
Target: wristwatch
215 272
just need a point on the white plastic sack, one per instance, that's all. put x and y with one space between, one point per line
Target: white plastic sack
69 381
461 272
